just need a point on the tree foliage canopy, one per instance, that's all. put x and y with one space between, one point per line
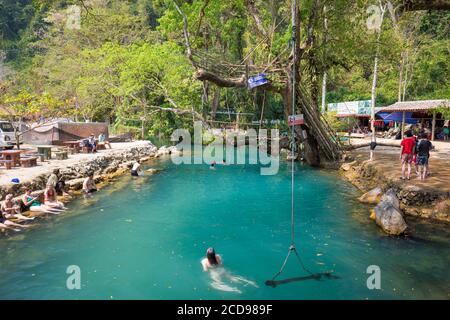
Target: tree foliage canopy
129 56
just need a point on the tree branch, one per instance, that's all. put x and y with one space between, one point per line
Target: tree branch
254 12
186 35
203 75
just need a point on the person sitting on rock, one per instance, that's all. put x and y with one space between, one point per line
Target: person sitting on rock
89 186
31 203
92 143
51 200
8 224
102 139
57 182
11 209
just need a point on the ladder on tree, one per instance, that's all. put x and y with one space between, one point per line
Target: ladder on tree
326 137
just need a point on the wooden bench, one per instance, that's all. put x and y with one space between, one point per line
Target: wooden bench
6 163
61 155
27 162
40 156
101 146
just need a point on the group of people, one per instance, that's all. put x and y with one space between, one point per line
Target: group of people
91 143
11 209
415 150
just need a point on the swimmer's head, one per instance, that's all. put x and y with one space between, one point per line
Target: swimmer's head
211 256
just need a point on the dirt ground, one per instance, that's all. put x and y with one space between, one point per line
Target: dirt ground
387 160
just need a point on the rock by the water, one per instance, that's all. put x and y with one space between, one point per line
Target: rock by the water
372 197
152 171
389 218
391 198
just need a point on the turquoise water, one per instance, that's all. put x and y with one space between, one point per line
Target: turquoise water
144 239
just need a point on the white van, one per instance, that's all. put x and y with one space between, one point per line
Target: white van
7 136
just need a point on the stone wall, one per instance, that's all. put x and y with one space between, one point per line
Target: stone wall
415 201
108 164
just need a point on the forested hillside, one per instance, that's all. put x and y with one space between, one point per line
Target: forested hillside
125 61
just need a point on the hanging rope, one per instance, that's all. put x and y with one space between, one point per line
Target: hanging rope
292 247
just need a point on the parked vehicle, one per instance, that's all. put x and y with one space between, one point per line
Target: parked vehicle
7 135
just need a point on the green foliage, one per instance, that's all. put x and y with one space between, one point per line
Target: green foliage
129 56
339 125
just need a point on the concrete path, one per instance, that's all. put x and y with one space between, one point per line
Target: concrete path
28 174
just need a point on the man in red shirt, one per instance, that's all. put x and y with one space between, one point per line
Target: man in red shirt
407 150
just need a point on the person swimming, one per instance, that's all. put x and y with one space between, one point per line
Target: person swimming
213 165
212 260
219 275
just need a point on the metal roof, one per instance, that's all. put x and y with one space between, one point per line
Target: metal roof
412 106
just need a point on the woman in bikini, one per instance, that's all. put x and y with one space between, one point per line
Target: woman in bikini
32 203
51 198
12 210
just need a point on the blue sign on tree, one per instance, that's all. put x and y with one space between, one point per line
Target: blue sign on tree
257 81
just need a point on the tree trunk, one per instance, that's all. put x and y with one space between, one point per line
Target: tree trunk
400 80
324 92
215 104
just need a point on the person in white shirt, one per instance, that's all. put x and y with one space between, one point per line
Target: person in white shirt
136 170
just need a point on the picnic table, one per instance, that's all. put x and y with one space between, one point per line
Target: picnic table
46 151
12 155
73 145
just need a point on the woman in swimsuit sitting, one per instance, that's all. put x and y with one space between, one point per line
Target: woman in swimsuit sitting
31 203
51 199
12 210
212 260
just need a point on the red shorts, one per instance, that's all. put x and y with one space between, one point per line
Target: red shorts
407 158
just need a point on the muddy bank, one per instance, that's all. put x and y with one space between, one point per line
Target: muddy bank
419 201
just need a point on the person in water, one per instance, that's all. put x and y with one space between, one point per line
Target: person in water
136 170
89 184
212 260
213 165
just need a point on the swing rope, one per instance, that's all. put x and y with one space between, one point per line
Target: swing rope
292 247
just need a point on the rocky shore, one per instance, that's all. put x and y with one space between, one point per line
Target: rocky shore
105 167
419 201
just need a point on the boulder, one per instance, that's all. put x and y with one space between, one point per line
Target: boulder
389 218
153 171
391 197
75 184
346 167
372 197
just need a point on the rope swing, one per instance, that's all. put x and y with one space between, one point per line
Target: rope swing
292 248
